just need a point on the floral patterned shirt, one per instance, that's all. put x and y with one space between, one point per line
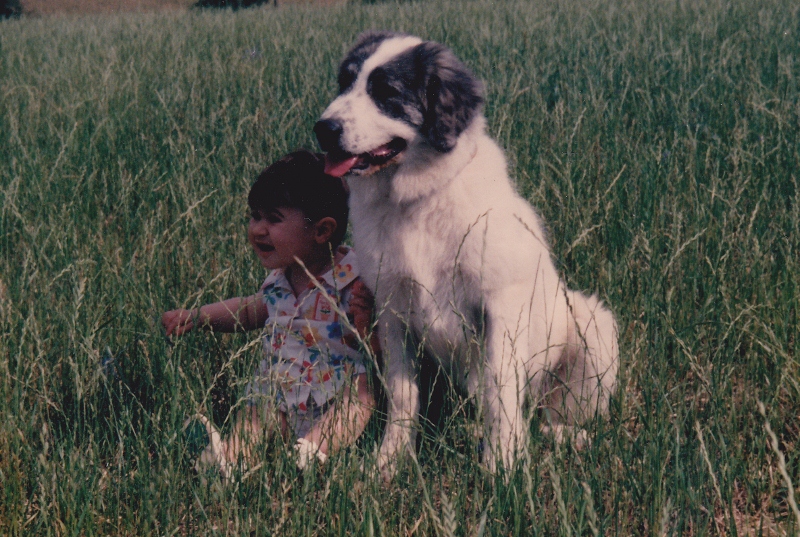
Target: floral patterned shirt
308 358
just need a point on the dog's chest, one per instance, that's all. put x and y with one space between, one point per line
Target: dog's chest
414 256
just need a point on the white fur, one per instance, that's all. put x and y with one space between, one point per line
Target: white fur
445 242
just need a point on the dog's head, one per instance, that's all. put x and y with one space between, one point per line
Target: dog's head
396 93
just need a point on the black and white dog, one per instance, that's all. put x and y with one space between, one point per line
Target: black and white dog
457 260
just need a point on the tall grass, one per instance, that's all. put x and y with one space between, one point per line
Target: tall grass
658 139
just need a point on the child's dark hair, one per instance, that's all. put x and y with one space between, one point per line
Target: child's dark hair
298 181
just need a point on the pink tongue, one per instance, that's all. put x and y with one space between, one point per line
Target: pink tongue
338 169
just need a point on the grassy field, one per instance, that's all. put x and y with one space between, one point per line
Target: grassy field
83 7
659 140
54 7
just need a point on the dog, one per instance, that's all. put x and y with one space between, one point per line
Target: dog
458 262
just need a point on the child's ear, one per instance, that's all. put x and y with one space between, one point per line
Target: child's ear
324 228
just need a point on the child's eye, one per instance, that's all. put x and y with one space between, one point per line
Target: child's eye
273 217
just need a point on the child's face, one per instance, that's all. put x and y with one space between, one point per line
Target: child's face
281 235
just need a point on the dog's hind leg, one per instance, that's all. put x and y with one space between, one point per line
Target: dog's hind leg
402 398
579 385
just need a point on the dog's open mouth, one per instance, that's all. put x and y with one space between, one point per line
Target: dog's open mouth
339 163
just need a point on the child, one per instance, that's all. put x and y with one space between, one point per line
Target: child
312 375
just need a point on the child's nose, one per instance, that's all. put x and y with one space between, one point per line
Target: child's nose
259 227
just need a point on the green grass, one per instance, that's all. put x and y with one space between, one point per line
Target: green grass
659 140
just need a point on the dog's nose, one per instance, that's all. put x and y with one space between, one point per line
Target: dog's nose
328 132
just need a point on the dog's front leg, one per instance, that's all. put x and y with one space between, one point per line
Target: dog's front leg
503 395
402 397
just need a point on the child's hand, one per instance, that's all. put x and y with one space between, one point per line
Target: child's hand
178 322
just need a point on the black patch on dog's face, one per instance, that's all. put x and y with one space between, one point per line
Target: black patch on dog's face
397 88
430 89
367 44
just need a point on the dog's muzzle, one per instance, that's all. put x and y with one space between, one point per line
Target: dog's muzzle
329 133
339 162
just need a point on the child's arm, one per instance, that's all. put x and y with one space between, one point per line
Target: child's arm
238 314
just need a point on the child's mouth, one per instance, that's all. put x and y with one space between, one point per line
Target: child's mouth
265 247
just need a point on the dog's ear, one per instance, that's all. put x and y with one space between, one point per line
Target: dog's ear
452 96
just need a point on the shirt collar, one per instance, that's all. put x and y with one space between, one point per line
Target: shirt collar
345 271
339 277
277 278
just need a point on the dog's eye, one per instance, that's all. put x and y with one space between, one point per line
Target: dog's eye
380 89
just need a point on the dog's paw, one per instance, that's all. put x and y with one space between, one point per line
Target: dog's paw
387 465
392 457
497 461
561 433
